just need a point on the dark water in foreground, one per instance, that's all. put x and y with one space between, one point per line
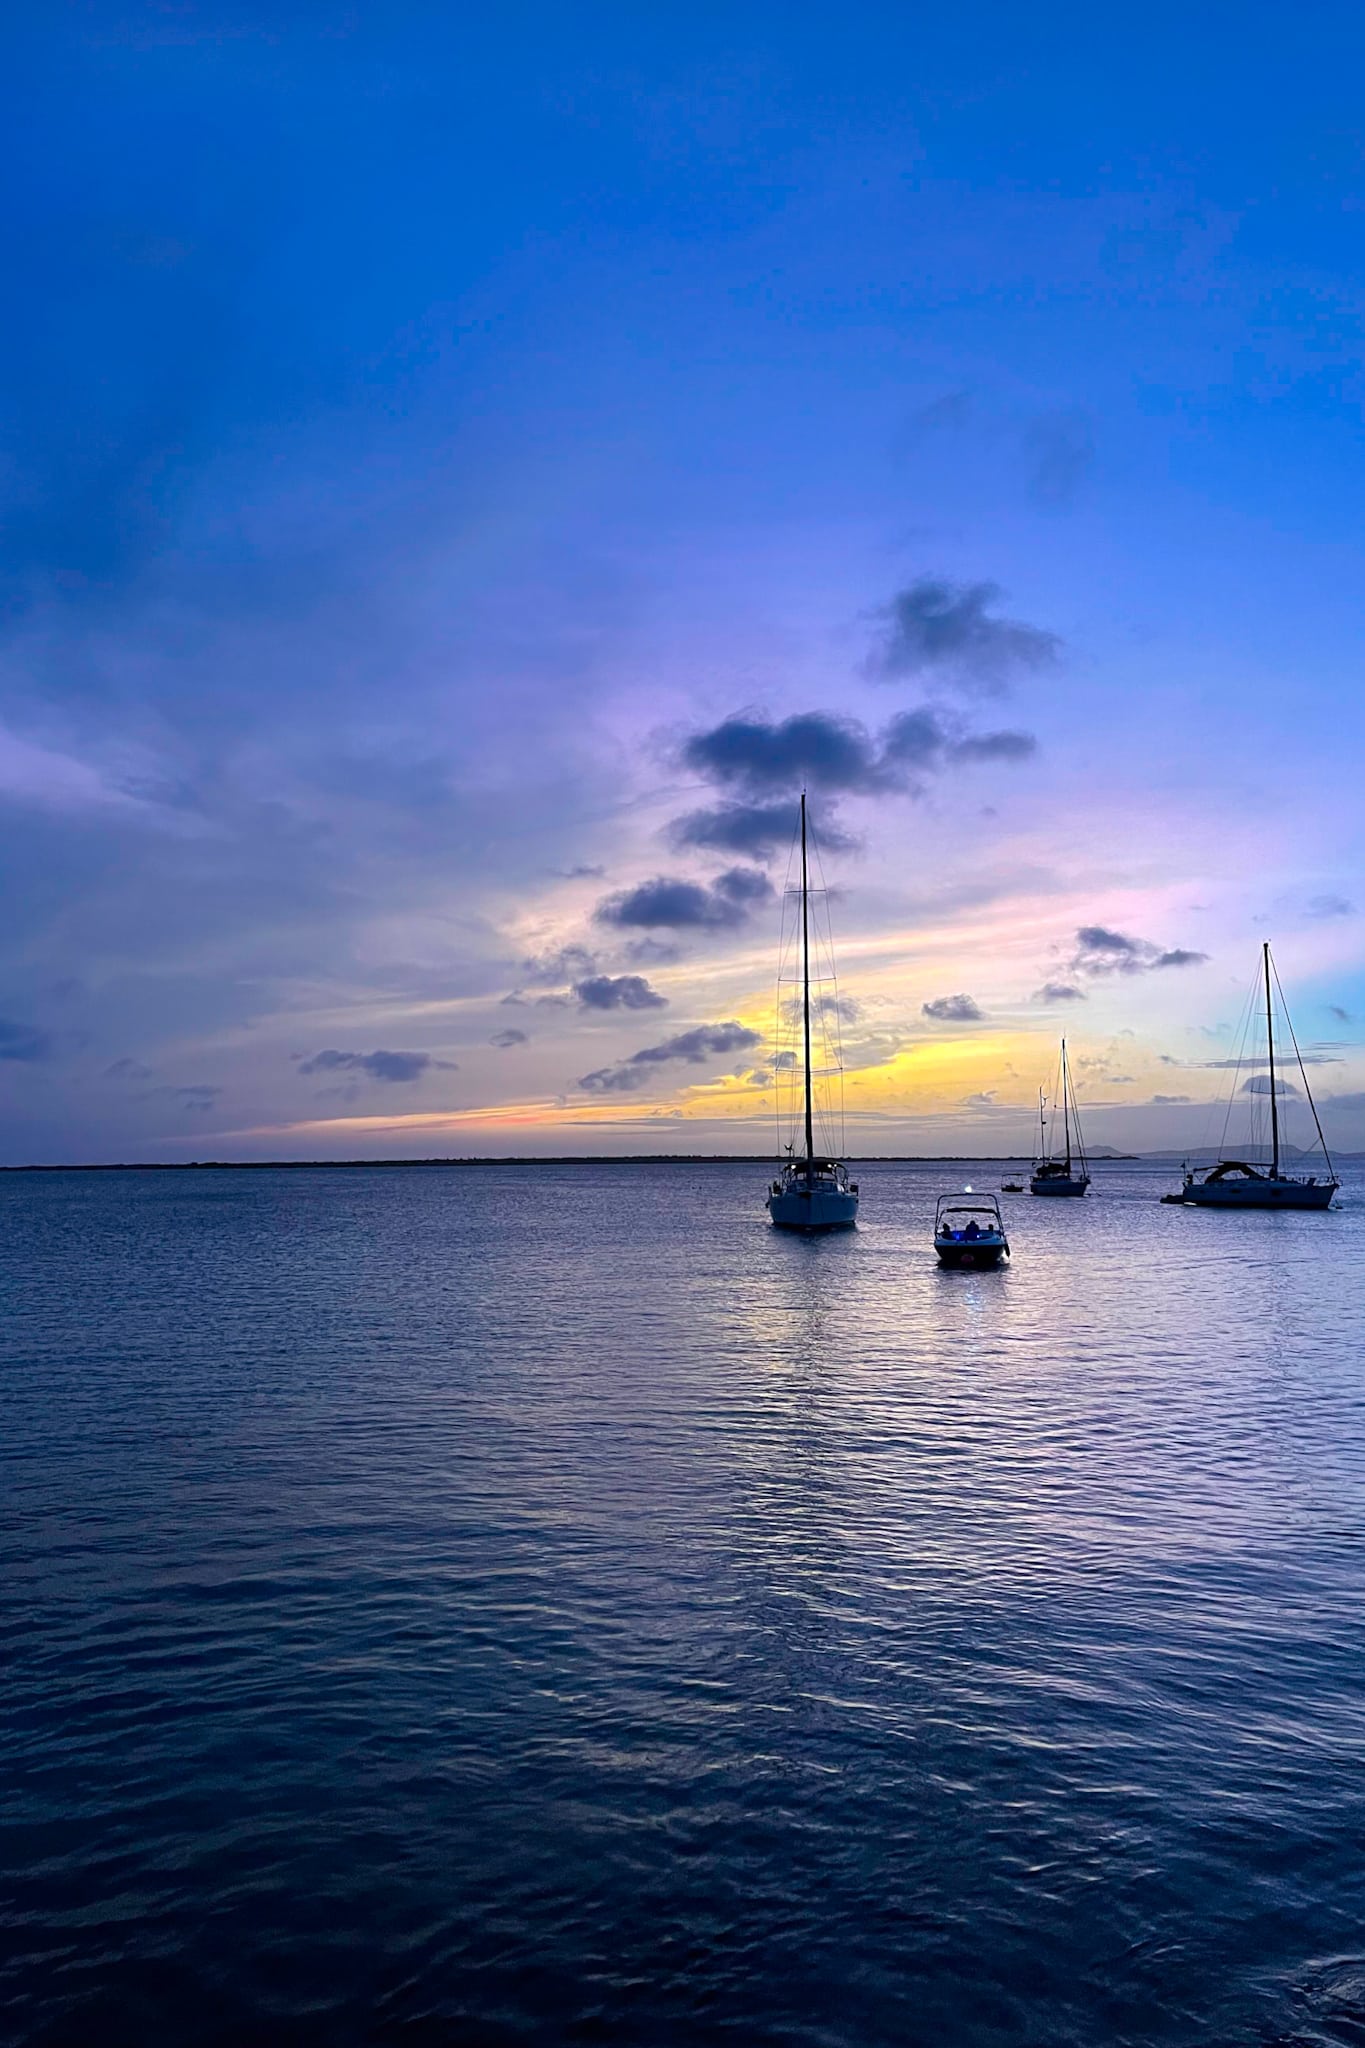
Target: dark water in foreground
499 1605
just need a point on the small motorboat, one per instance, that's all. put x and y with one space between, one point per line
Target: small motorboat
1011 1187
968 1231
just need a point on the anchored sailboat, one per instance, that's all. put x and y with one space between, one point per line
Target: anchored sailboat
1069 1175
1236 1183
810 1193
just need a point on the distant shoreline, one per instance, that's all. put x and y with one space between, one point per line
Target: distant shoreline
538 1159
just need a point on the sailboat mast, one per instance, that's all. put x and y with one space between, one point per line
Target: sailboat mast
1270 1052
805 981
1066 1108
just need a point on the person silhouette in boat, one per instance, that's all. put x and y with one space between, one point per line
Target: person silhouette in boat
972 1231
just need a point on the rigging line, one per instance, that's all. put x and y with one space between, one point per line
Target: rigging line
777 1022
838 1034
1293 1039
1245 1025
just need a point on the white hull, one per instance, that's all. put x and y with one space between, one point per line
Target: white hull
1257 1194
813 1209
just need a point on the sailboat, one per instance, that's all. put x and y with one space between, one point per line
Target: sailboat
1069 1175
810 1193
1236 1183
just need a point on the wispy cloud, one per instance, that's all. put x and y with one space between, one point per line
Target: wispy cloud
379 1065
619 992
21 1042
953 1010
1101 951
694 1048
670 903
939 630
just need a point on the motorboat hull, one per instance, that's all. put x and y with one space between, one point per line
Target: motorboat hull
1057 1184
974 1257
813 1209
1256 1194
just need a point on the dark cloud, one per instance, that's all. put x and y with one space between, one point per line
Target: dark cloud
995 746
1309 1058
197 1095
755 829
379 1065
1331 906
619 992
953 1010
1101 951
694 1048
941 630
22 1042
815 749
1168 1101
128 1070
670 903
755 758
1059 992
566 963
1059 449
505 1040
1260 1084
1335 1010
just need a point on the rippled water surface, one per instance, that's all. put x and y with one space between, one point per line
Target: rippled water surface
492 1605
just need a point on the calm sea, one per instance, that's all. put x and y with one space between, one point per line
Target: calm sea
501 1605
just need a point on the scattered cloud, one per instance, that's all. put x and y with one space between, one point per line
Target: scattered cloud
1260 1084
1059 450
565 963
953 1010
505 1040
985 1099
938 629
693 1048
22 1042
619 992
198 1095
1101 951
677 905
128 1070
1330 906
1169 1101
1059 992
1335 1010
756 758
379 1065
756 829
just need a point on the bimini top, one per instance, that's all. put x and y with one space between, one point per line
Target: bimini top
954 1211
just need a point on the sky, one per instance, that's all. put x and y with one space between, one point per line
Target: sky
465 470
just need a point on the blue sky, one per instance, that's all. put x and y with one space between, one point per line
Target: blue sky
423 428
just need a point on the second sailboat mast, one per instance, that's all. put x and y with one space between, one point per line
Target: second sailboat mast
1270 1056
805 977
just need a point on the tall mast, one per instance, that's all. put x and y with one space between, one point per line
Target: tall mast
1066 1109
805 982
1270 1051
